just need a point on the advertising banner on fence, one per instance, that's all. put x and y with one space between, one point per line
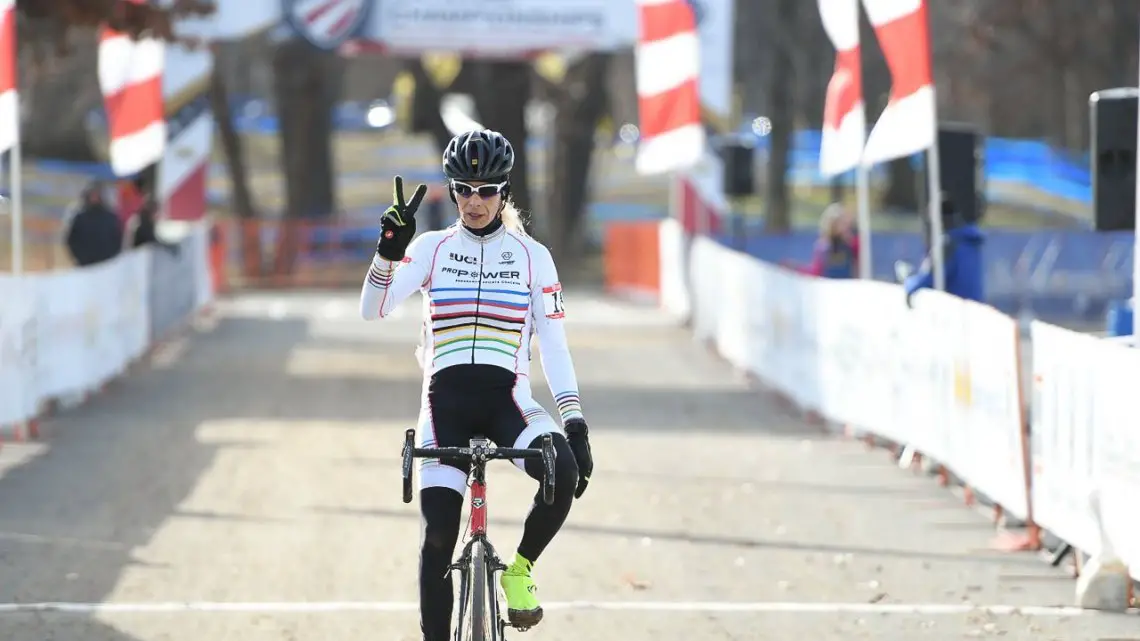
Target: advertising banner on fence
503 27
17 350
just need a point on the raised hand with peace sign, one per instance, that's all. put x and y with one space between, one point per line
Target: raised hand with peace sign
398 224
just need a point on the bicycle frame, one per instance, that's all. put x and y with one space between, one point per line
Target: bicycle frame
478 501
491 564
486 560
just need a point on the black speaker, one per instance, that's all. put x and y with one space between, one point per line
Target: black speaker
737 158
1112 161
961 169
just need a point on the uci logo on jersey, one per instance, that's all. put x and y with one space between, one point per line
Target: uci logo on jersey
460 258
329 24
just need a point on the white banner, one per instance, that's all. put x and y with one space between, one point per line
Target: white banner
1116 449
64 334
673 254
943 377
1084 439
18 393
503 27
97 323
201 236
1064 366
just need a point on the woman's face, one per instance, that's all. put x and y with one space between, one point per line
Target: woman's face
843 225
478 201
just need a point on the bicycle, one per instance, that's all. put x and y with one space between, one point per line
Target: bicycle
478 563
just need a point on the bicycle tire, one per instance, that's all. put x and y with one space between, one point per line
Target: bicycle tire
464 603
478 580
496 619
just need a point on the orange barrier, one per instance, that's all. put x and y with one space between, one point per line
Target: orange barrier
632 258
284 254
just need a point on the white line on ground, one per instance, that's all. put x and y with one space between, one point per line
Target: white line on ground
302 607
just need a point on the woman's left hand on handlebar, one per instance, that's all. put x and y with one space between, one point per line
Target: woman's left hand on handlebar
577 436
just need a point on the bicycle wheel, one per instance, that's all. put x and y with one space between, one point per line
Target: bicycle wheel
495 618
478 619
462 614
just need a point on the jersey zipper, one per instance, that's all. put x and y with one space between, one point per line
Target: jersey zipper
478 300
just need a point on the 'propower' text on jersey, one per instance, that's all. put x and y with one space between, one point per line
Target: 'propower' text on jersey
484 296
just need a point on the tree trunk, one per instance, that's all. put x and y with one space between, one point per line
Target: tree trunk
327 84
56 96
295 89
835 186
243 200
426 103
579 106
781 98
901 194
501 97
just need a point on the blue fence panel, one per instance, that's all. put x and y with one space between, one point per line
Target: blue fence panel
1070 275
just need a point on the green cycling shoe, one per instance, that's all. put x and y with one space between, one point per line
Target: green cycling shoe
523 608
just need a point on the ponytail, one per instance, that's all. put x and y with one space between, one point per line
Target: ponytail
513 218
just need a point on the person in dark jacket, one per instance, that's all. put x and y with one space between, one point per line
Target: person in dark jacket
95 233
962 258
145 228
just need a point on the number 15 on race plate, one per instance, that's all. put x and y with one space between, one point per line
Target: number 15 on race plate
552 301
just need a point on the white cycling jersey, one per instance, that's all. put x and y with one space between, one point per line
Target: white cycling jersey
484 297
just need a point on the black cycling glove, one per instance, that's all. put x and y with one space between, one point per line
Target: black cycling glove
577 435
399 222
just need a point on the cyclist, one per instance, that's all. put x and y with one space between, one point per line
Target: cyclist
487 287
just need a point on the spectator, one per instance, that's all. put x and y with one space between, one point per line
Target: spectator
962 258
145 230
836 252
95 233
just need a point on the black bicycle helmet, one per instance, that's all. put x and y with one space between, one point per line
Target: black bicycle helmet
483 155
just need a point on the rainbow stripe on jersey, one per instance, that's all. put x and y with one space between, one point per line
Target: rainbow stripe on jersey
466 321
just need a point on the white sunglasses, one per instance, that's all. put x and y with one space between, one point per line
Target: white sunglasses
464 190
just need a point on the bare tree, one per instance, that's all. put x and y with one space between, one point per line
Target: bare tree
58 87
580 103
781 99
502 90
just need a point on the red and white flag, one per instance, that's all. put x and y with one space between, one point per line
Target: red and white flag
130 77
908 124
844 123
668 88
9 99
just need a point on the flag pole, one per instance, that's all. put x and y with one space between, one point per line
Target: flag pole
15 163
1136 256
934 172
863 218
934 184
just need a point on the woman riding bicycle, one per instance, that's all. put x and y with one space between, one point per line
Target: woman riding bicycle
488 287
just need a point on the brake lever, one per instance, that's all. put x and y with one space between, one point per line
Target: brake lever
548 459
409 444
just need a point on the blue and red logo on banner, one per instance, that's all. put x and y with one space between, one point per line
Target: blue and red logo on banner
327 24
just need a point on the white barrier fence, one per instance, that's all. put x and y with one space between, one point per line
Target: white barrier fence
67 333
943 377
